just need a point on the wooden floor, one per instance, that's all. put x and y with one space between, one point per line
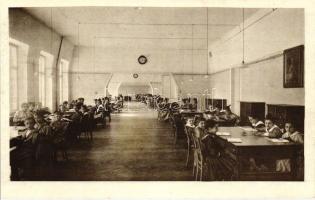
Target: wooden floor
134 147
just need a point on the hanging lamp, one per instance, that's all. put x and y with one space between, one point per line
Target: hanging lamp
206 76
192 52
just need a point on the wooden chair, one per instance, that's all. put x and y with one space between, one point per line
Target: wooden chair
86 127
100 121
63 145
199 159
190 143
91 125
178 127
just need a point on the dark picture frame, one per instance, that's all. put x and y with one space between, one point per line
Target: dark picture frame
293 67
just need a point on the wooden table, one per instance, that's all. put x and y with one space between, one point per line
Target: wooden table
14 130
257 147
190 113
14 133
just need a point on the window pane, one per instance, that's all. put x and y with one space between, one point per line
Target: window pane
41 79
13 78
61 81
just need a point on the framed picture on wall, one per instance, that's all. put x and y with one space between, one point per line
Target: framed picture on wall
293 67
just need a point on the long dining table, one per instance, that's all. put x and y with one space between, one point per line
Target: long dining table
243 143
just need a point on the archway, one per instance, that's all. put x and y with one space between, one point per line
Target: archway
131 89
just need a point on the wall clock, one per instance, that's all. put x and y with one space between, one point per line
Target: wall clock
142 59
135 75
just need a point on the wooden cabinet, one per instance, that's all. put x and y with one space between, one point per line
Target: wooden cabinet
250 108
282 113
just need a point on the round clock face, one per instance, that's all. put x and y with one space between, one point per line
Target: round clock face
135 75
142 59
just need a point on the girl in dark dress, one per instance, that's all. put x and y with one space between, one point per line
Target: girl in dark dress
44 151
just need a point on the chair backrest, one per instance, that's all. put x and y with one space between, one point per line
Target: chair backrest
85 122
190 134
198 146
187 134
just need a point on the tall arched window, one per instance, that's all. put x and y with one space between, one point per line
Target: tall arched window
41 79
63 80
14 77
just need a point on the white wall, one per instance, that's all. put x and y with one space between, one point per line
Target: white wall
194 86
22 72
132 90
119 79
220 85
262 81
282 29
167 48
38 37
88 86
156 88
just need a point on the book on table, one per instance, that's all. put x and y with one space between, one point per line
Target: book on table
234 140
278 140
223 133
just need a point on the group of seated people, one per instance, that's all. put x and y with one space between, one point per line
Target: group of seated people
27 110
205 130
148 99
117 104
102 109
142 97
271 130
225 116
164 109
189 104
38 144
45 133
167 109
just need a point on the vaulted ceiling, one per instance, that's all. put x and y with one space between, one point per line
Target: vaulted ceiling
151 27
110 39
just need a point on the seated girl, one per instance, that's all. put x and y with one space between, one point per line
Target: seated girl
272 130
22 158
44 148
58 127
190 122
185 104
256 123
99 110
199 127
215 158
230 117
215 114
32 108
293 135
193 105
21 115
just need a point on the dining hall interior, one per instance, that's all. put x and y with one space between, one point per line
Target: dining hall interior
156 94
